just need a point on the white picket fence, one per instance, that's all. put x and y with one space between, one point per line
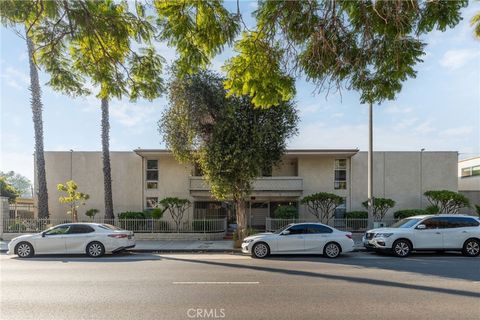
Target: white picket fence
135 225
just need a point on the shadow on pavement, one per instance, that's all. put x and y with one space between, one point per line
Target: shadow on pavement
444 265
118 257
344 260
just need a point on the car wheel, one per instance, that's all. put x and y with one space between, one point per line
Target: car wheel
332 250
24 250
471 248
95 249
401 248
260 250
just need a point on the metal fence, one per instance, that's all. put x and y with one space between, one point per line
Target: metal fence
135 225
352 225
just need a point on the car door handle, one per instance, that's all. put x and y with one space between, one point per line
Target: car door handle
437 232
464 231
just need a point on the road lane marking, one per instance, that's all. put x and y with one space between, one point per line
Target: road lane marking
216 282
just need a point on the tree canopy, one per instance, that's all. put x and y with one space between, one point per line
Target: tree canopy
21 183
232 142
7 190
368 46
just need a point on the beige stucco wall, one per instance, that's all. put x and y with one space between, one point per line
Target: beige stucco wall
173 180
403 177
86 169
468 183
318 173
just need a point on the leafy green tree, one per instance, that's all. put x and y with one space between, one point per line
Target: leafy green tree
231 141
27 14
96 41
72 197
176 207
380 207
368 46
7 190
446 201
477 209
322 205
19 182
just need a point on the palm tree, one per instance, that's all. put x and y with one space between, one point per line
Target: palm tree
107 174
37 106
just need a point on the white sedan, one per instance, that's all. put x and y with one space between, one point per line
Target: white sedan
92 239
300 238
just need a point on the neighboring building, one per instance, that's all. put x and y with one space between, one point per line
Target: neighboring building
22 208
143 177
469 179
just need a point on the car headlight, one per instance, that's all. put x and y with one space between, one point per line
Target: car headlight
382 235
247 241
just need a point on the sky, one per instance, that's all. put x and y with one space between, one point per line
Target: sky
439 110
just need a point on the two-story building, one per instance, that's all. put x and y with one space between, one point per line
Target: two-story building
142 177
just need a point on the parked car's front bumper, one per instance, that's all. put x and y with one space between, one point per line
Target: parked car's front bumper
377 243
246 247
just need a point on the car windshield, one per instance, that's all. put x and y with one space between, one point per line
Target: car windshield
283 228
405 223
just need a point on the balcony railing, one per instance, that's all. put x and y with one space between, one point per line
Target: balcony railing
274 184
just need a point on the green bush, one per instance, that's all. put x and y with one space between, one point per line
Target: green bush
433 209
351 219
17 226
402 214
135 215
477 208
286 212
356 215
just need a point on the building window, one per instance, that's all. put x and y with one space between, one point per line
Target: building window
340 181
471 171
152 174
152 202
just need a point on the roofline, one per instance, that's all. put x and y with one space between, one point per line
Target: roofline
469 159
347 152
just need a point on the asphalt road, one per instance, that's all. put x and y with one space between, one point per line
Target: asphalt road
226 286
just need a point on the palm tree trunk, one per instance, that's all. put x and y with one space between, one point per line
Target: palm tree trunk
107 174
36 103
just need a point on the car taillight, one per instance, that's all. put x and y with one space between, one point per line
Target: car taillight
118 236
348 235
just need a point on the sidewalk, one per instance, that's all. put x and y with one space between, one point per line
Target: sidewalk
190 245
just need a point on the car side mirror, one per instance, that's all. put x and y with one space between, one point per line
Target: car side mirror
43 234
421 227
285 232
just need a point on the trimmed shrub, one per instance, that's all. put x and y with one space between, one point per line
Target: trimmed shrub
433 209
134 215
402 214
351 219
286 212
447 201
380 207
356 215
477 209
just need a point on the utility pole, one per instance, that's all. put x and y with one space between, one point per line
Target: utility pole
370 166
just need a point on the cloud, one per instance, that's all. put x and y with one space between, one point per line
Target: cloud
457 132
15 78
20 162
395 109
455 59
131 115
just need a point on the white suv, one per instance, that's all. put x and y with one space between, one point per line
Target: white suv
452 232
